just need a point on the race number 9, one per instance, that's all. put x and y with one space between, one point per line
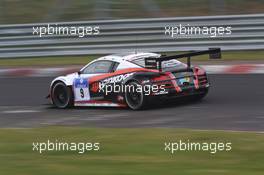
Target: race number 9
81 89
81 92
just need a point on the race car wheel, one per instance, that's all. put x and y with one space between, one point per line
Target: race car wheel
201 96
135 100
61 95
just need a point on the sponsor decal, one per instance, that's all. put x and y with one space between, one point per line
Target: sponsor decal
114 79
184 80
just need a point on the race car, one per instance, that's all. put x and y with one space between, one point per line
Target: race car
131 80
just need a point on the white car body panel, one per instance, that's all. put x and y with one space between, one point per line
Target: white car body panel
122 59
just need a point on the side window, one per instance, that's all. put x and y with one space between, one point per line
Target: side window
100 67
140 62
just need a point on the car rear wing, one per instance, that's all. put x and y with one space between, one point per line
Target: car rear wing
155 63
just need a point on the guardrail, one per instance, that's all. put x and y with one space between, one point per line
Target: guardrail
132 35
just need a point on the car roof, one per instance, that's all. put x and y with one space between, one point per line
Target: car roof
128 56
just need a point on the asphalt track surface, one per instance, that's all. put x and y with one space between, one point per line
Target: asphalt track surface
235 102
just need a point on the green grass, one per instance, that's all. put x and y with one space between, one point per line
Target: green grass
257 55
32 11
208 7
129 152
47 61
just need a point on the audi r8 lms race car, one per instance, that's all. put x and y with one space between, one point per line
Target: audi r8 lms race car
131 80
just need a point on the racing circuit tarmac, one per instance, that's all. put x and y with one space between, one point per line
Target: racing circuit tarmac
235 102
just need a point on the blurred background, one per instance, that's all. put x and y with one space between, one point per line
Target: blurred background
126 26
33 11
17 17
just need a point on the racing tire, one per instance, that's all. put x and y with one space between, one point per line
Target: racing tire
135 100
199 97
62 96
